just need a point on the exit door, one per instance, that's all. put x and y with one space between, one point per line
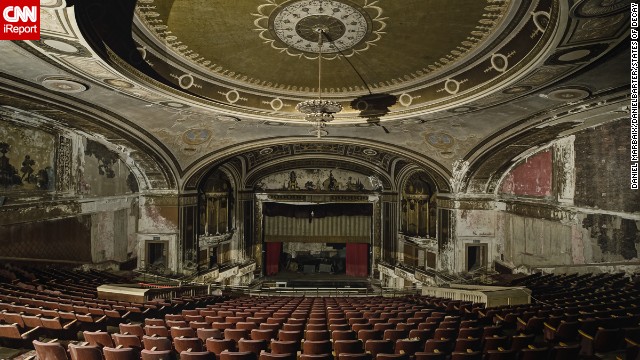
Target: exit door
476 256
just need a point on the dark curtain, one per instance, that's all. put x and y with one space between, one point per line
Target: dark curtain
357 259
273 257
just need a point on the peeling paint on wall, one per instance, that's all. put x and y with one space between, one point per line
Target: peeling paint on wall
602 168
27 160
158 215
565 169
476 223
613 238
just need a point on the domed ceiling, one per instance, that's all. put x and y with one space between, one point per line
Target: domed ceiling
185 85
260 57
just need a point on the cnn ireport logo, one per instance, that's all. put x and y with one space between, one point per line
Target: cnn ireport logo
20 20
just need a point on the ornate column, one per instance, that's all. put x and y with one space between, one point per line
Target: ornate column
390 218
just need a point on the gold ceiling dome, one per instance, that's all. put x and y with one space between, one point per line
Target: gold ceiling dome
256 58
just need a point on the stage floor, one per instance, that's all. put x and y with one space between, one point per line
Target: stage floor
314 280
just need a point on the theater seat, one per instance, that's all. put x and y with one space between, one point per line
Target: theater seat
185 343
316 347
155 342
118 354
157 355
99 338
272 356
196 355
237 355
351 356
85 352
49 350
604 340
284 347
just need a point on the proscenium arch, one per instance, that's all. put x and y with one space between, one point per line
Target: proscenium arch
194 173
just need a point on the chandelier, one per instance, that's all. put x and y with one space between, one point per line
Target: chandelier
319 112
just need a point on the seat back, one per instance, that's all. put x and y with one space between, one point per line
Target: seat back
501 355
203 334
255 346
375 347
160 343
272 356
562 352
133 329
217 346
284 347
541 353
316 347
127 340
317 335
156 354
408 346
467 355
185 343
236 334
347 346
49 350
156 330
237 355
82 352
353 356
182 331
119 354
99 338
606 340
196 355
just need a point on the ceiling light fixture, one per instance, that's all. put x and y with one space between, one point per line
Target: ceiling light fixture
319 112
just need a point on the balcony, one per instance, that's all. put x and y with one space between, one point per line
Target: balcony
213 240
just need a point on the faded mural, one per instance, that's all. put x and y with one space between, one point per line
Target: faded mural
102 172
26 159
319 180
37 163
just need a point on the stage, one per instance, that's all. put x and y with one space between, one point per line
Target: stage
316 280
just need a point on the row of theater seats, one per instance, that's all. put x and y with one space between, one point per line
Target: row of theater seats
321 328
60 303
584 316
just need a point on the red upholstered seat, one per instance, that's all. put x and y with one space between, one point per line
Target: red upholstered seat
316 347
87 352
157 354
117 354
49 350
99 338
237 355
196 355
284 347
272 356
159 343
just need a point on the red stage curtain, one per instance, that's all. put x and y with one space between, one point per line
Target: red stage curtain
357 259
273 257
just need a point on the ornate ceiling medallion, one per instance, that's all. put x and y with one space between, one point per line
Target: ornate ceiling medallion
292 27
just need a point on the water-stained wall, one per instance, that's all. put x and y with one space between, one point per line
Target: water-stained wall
602 168
533 177
27 159
588 216
64 196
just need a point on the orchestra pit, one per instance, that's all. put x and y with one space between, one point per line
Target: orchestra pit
320 180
